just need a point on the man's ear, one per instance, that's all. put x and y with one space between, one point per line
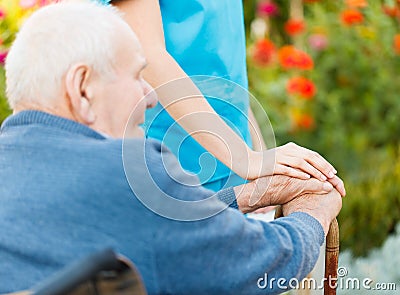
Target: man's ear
79 94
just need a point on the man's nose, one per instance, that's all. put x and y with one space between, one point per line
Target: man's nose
151 95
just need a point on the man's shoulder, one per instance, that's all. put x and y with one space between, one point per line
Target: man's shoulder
134 152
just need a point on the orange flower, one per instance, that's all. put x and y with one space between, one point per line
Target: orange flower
352 17
391 11
302 86
357 3
294 27
263 52
304 121
396 44
292 58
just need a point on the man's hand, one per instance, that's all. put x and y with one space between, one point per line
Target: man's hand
276 190
324 208
296 161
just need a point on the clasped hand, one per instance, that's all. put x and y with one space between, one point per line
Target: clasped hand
295 161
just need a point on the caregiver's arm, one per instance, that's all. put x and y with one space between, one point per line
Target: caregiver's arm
144 17
255 132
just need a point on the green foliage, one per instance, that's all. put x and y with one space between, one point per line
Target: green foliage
372 208
356 112
4 109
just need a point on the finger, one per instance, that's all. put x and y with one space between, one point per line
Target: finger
315 159
320 163
338 184
301 164
290 171
314 186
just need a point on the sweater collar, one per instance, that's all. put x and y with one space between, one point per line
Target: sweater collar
38 117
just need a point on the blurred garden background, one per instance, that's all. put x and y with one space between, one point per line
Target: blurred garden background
327 73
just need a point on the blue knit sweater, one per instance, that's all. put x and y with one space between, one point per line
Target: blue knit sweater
64 195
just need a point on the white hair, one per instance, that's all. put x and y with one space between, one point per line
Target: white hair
53 39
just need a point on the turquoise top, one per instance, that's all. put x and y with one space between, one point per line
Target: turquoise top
104 2
206 37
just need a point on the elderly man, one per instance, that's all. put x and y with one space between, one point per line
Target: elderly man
71 185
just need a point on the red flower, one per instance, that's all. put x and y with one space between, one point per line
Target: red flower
267 8
304 121
301 86
396 44
294 27
263 52
292 58
352 17
3 55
